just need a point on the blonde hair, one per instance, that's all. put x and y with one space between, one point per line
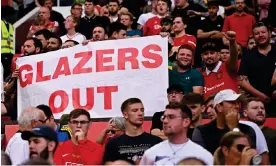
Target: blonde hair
226 141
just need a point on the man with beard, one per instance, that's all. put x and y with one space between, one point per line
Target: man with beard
257 67
42 142
175 94
54 43
113 9
176 121
32 46
190 79
254 111
117 30
99 33
240 22
219 75
43 35
195 102
134 142
17 148
152 26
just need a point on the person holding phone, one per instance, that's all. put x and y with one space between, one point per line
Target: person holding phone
79 150
235 149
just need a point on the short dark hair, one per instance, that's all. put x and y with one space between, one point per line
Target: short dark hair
114 1
116 27
224 47
75 42
185 110
43 1
249 38
260 24
209 98
58 39
188 47
249 99
46 109
169 3
78 112
100 25
37 43
166 20
92 1
193 98
184 19
213 3
76 4
45 32
128 102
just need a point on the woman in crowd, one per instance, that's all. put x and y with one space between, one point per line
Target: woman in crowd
115 128
235 149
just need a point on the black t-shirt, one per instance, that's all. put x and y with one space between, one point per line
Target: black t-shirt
209 136
192 22
190 133
208 25
156 121
127 148
270 137
259 69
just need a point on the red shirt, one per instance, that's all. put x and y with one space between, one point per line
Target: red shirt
152 26
85 153
241 24
185 39
51 26
219 80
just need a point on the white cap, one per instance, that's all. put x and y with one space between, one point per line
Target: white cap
225 95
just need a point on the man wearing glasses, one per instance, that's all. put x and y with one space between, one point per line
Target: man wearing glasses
17 148
79 150
176 122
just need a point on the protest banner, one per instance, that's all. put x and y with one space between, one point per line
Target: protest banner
97 77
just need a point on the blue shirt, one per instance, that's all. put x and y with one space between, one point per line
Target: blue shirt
63 133
134 32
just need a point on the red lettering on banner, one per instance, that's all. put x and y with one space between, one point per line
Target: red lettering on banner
28 77
89 99
39 76
62 68
64 101
85 57
153 56
122 59
100 60
107 91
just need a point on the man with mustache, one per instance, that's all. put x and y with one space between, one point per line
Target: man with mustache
190 79
254 111
42 142
219 75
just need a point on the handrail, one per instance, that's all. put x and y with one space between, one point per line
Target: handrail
22 21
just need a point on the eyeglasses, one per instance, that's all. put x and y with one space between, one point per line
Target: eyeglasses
44 121
82 122
113 131
171 117
175 92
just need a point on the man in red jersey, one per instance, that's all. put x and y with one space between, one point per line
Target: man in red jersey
219 75
79 150
152 26
181 37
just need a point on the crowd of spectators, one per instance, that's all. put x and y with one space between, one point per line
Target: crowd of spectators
221 66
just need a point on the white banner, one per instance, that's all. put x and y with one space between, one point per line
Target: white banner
97 77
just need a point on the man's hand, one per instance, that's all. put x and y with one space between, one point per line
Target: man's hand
85 42
15 73
193 13
230 35
79 135
109 127
164 34
232 118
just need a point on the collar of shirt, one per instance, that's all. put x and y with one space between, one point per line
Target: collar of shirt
215 70
89 18
242 14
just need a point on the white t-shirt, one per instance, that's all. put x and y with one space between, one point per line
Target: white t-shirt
78 37
163 153
261 145
144 18
18 149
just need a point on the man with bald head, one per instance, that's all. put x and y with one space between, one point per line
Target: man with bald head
44 22
17 148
